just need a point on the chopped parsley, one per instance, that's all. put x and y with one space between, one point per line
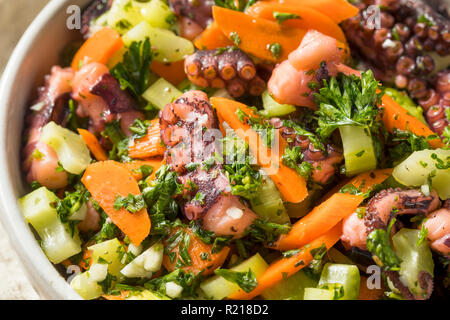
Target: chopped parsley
275 49
139 128
283 16
348 100
245 280
133 72
234 36
131 203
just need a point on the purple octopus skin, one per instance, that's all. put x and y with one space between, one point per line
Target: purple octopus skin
185 144
394 276
325 162
410 201
182 125
426 283
437 102
410 30
94 10
118 100
200 11
54 97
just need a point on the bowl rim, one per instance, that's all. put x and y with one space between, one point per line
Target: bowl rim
40 271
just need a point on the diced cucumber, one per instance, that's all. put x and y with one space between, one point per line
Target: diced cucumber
86 287
344 274
161 93
57 241
72 152
291 288
318 294
218 288
80 214
157 13
407 103
268 203
273 108
123 15
111 252
413 258
359 152
167 47
148 295
420 165
146 264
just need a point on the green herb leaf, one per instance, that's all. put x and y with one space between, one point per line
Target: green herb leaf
245 280
134 72
275 49
131 203
283 16
348 100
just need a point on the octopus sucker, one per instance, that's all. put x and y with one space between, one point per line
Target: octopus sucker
230 68
412 34
182 124
324 162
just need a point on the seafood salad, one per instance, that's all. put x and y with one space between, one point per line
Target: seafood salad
245 149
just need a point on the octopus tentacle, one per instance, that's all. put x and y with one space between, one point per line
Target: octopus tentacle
231 69
410 201
405 40
183 125
324 162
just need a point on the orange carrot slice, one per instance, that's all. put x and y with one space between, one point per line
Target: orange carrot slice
212 38
287 267
172 71
98 48
363 182
309 18
93 144
321 219
291 185
149 145
257 36
395 116
197 251
338 10
105 181
123 295
134 167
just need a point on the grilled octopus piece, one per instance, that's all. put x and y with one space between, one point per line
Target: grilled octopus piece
118 100
52 101
231 69
199 11
186 126
404 41
378 213
91 12
324 162
410 201
100 98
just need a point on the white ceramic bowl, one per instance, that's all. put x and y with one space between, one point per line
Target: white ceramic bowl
33 57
